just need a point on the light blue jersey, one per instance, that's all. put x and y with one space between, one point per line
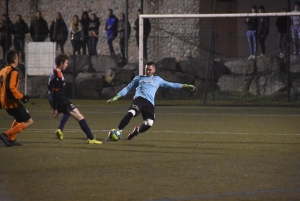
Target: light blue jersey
146 87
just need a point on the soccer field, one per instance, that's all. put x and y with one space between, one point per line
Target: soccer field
191 153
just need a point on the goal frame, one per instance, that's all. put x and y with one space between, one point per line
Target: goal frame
142 16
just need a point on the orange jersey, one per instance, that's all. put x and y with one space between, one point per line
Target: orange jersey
9 93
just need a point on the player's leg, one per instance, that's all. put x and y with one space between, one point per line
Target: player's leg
59 131
133 111
23 121
148 114
74 112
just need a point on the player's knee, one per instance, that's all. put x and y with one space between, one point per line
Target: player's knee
133 112
149 122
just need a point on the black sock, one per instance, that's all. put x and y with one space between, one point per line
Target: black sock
86 129
125 120
144 128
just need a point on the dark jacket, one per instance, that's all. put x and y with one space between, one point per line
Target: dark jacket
6 31
85 24
263 26
112 21
94 26
121 28
58 31
282 24
147 27
252 23
39 30
20 29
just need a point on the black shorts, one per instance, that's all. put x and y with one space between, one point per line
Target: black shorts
20 113
66 107
141 105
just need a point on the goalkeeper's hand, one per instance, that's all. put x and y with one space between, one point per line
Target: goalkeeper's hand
189 86
114 98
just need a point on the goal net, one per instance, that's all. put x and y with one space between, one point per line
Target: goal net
212 52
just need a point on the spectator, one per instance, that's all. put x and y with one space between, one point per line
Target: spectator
121 30
85 20
5 34
111 28
262 31
20 28
39 28
76 33
93 34
59 32
251 33
147 29
282 27
295 24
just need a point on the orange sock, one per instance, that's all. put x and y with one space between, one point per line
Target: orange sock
12 133
14 124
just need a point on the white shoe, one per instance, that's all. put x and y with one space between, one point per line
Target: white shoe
261 55
251 57
280 55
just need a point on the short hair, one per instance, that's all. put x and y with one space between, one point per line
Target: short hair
254 7
139 11
261 8
61 58
111 10
284 9
297 3
10 56
151 63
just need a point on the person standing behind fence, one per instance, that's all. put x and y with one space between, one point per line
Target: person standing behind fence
282 27
121 30
251 33
5 34
295 25
10 100
39 28
76 33
111 28
262 31
85 20
93 34
19 30
59 32
147 29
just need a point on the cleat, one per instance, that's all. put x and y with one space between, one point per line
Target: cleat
59 134
250 57
94 141
134 133
5 140
14 143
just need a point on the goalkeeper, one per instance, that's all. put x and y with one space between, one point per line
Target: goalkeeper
143 100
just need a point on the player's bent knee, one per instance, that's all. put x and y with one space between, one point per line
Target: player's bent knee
149 122
132 112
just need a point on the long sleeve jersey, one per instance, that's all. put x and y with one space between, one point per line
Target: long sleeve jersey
9 93
146 87
56 85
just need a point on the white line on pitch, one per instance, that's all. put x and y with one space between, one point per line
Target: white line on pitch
182 132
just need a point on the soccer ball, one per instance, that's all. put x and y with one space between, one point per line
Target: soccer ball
114 134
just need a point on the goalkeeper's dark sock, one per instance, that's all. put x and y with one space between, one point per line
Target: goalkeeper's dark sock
125 120
86 129
143 128
63 121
